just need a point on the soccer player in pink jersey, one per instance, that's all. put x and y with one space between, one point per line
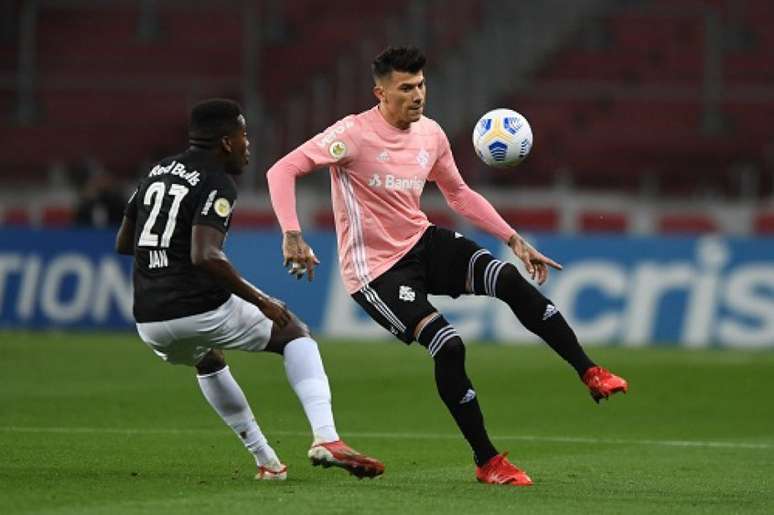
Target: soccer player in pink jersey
391 257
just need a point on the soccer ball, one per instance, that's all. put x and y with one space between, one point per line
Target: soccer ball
502 138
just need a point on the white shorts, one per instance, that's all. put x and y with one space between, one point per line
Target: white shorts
236 324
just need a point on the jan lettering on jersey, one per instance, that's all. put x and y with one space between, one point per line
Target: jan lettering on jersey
158 259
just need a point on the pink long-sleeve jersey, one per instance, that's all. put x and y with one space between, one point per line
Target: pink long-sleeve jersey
378 173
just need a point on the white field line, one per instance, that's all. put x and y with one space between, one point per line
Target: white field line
399 436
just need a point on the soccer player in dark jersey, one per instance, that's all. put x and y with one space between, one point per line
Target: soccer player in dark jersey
191 304
391 257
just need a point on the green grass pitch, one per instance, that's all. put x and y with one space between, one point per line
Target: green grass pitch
94 423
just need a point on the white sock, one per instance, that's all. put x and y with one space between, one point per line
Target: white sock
226 397
306 375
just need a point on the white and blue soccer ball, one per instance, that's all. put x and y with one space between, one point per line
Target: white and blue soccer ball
502 138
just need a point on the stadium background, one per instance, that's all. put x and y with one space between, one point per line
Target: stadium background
651 180
652 175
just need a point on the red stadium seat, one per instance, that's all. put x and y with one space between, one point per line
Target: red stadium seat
57 216
764 223
441 218
109 94
616 142
687 223
16 216
603 221
323 219
532 219
253 219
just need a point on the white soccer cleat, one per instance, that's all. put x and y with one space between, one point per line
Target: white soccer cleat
339 454
277 472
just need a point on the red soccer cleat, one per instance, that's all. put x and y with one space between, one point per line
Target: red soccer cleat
339 454
602 384
500 471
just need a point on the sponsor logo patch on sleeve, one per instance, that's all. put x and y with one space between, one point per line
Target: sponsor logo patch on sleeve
338 149
222 207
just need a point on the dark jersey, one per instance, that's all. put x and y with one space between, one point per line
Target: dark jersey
178 193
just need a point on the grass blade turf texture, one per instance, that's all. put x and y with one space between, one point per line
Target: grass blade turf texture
94 423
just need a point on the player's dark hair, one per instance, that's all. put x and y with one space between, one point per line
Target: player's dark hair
211 120
408 59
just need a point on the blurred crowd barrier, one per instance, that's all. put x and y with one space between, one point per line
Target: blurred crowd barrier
614 290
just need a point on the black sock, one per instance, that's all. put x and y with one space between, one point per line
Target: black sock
455 387
534 311
539 315
458 394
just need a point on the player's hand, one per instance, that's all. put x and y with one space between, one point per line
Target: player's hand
536 263
275 310
298 257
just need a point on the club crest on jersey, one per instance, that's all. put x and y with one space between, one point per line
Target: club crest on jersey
423 158
222 207
407 294
338 149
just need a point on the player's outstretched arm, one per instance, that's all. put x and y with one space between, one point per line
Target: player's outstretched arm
336 145
125 237
475 208
298 256
207 253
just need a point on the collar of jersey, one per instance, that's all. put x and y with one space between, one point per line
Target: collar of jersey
382 123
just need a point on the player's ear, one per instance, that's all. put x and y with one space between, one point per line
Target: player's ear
225 144
379 92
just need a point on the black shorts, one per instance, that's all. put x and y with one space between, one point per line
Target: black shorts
436 265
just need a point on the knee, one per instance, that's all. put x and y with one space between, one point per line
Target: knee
437 334
212 362
511 282
453 351
510 278
281 336
488 274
